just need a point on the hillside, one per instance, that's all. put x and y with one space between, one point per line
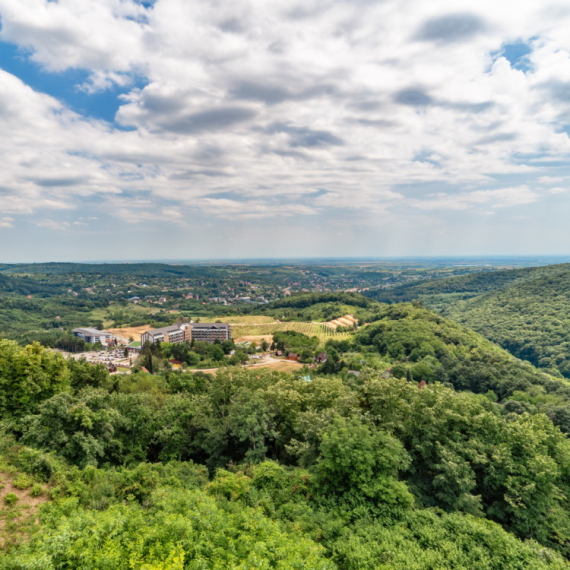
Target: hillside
531 320
441 292
256 469
416 444
526 311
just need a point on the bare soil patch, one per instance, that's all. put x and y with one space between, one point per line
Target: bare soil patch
274 364
282 365
257 338
129 332
18 521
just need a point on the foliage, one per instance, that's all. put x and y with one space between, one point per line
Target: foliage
181 529
526 311
291 341
29 376
254 469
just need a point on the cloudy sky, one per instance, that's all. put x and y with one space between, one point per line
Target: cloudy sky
182 129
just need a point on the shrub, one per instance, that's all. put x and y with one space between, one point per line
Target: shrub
22 482
11 499
37 490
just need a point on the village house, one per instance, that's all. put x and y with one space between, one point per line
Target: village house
322 358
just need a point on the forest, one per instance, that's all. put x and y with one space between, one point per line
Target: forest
452 454
526 311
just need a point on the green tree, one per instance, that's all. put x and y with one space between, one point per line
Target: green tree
28 376
361 465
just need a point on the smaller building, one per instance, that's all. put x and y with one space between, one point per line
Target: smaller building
322 358
293 356
134 349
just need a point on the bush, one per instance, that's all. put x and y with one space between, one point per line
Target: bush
22 482
11 499
37 490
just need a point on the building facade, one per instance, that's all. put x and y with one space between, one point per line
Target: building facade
211 331
186 332
175 334
93 335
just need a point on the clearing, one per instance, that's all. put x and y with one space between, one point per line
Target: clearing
128 332
258 339
273 363
19 520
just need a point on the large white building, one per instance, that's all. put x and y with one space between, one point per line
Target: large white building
175 334
93 335
181 332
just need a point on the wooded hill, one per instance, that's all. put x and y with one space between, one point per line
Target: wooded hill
526 311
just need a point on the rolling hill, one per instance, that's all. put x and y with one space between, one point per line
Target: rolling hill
526 311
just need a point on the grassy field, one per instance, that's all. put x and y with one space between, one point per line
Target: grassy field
273 365
320 330
243 320
102 314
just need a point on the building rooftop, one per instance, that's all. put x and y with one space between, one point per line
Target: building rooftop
162 330
209 325
89 331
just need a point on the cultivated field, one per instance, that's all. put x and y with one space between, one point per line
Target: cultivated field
320 330
248 320
346 321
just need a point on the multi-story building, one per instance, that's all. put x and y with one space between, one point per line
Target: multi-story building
93 335
211 331
186 332
175 334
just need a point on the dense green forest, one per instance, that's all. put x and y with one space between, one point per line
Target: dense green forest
526 311
445 457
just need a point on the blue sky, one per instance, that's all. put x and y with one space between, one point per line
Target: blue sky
176 130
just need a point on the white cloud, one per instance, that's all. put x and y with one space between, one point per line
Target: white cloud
254 109
500 198
52 224
6 222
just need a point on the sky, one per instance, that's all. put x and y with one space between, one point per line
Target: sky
326 128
